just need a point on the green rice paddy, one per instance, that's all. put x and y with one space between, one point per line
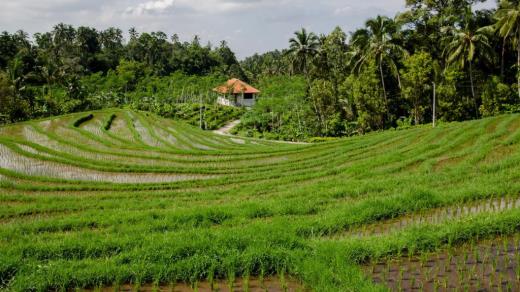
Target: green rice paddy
115 198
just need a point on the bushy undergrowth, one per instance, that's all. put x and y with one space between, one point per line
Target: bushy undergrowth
109 121
82 120
206 116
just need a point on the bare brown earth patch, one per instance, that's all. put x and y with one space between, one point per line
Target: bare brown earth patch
413 166
444 162
499 153
514 126
491 128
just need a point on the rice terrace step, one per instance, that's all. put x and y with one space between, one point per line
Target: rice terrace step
129 201
260 146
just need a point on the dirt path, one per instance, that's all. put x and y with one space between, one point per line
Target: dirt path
227 128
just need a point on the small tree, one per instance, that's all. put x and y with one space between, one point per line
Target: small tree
335 48
496 96
12 108
323 100
6 98
365 91
416 77
451 106
508 27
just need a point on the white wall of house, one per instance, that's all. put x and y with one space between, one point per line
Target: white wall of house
247 102
224 101
240 100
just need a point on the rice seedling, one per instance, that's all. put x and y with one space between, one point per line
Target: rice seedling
128 197
466 271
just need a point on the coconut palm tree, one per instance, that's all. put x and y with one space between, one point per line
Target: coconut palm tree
508 27
464 44
303 47
377 41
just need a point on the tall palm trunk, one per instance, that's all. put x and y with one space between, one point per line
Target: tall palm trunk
502 61
386 114
416 111
473 87
518 63
383 83
308 81
471 80
306 72
49 91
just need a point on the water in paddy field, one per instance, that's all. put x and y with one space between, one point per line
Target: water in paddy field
435 216
271 284
30 166
492 265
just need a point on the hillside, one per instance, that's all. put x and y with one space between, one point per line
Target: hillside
113 197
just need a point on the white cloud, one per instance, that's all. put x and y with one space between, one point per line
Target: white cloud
156 6
217 6
342 10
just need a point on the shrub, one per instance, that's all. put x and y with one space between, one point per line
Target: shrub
108 123
496 97
321 139
82 120
213 116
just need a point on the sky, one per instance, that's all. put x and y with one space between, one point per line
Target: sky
249 26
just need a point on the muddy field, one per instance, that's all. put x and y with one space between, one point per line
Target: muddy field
271 284
486 266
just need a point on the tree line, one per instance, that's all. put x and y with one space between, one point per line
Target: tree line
384 74
380 76
73 69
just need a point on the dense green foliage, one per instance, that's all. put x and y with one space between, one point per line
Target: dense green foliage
156 201
73 69
383 75
281 111
377 77
204 116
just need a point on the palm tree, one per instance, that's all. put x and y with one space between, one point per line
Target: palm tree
508 27
377 41
63 40
303 47
48 73
464 44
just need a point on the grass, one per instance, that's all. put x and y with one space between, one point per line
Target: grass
108 209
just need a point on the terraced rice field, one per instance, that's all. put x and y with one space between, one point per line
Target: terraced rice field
125 200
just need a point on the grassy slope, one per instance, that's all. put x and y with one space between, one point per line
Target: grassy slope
247 207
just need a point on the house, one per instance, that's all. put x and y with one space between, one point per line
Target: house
236 92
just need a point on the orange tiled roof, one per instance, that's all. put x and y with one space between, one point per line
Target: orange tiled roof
235 86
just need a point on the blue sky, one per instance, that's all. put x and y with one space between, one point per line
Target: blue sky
248 26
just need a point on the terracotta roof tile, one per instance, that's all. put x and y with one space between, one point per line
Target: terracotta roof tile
235 86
